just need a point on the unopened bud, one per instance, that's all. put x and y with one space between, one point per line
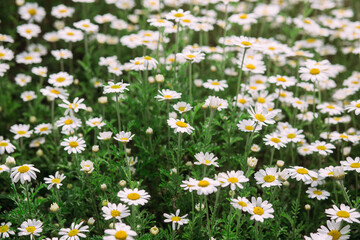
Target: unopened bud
189 164
32 119
149 131
69 186
76 81
10 162
252 161
39 153
159 78
198 82
154 230
95 148
54 207
122 183
104 203
91 221
103 100
103 187
286 183
213 68
307 207
280 163
151 79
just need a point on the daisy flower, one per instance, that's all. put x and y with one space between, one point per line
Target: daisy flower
330 108
275 140
216 103
112 211
149 62
133 196
232 178
260 209
87 166
240 203
22 80
105 136
61 79
206 159
244 42
262 115
188 184
32 12
70 35
305 150
190 56
118 87
248 126
182 107
55 180
73 106
344 213
21 130
348 165
180 126
75 232
73 144
54 92
267 177
28 30
215 85
5 230
30 227
318 236
253 66
167 95
121 231
43 129
68 123
6 146
23 173
176 219
335 230
293 135
301 173
314 73
243 101
62 54
317 193
28 96
86 26
322 148
354 106
95 122
3 168
177 15
62 11
124 137
206 186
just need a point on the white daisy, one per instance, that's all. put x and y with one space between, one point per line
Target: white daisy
344 213
23 173
260 209
133 196
180 126
176 219
55 180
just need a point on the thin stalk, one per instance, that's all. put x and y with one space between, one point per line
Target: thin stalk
28 199
190 82
346 196
240 75
118 111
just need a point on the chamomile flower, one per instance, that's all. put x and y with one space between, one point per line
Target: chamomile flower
335 230
120 231
301 173
232 178
31 227
206 186
118 87
343 213
87 166
112 211
75 232
354 106
262 115
73 106
348 165
243 101
28 96
32 12
275 140
70 34
55 180
95 122
62 11
22 79
168 95
175 219
330 108
179 125
216 85
61 79
322 148
4 168
124 137
248 126
21 130
216 103
177 15
182 107
260 209
207 159
35 143
283 81
28 58
267 177
73 145
240 203
317 193
54 92
188 184
313 72
43 129
6 146
253 66
133 196
86 26
28 30
105 136
318 236
62 54
5 230
68 123
191 56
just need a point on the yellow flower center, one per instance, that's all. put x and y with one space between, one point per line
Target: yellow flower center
242 101
30 229
355 165
178 15
269 178
357 105
207 161
317 192
2 54
322 148
68 121
181 109
250 66
330 106
281 79
243 16
73 232
161 20
28 57
147 58
124 139
261 100
4 228
291 135
43 129
260 117
249 128
314 71
246 43
133 196
215 83
54 91
86 25
275 140
343 136
190 56
21 132
167 96
175 219
3 144
335 234
62 11
115 213
120 235
56 180
115 87
23 169
271 48
73 144
32 11
70 33
302 171
310 40
258 211
181 124
343 214
233 180
60 79
203 183
243 204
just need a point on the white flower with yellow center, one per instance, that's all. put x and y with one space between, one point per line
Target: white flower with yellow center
54 92
175 219
75 232
322 147
206 186
344 213
206 159
5 230
87 166
177 15
28 96
248 126
28 30
314 72
232 178
21 130
217 103
62 54
133 196
35 143
32 12
354 106
61 79
4 168
68 123
244 42
330 108
317 193
275 140
267 177
167 95
96 122
43 129
182 107
6 146
105 136
30 227
73 145
243 101
113 211
62 11
301 173
22 80
124 137
28 58
262 115
335 230
188 184
180 126
23 173
70 34
121 231
260 209
118 87
86 26
55 180
240 203
73 106
191 56
348 165
252 66
216 85
6 54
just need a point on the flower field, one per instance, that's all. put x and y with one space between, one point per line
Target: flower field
180 119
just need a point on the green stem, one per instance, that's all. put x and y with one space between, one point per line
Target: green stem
28 199
190 82
346 196
240 74
118 111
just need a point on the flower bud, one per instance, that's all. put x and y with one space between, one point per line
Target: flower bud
103 187
32 119
10 162
196 9
347 151
91 221
20 2
159 78
255 148
54 207
128 151
231 193
172 115
189 164
149 131
154 230
39 153
252 162
173 171
213 68
103 100
151 79
89 109
69 186
95 148
286 183
307 207
197 207
111 225
198 82
280 163
80 135
338 172
104 203
122 183
76 82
